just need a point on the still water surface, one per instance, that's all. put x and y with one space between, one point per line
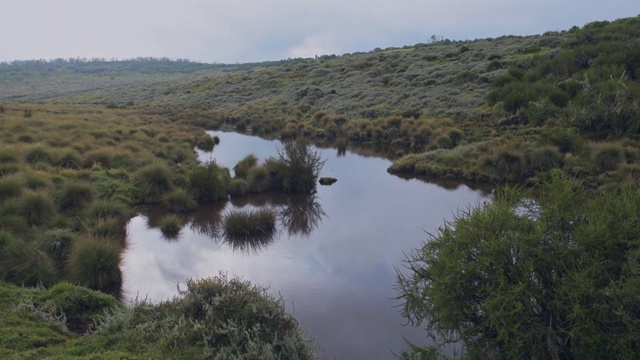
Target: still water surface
332 259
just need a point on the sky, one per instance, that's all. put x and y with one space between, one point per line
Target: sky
238 31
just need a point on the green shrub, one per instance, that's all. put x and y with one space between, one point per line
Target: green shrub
243 166
36 207
300 167
153 181
238 187
75 195
95 263
239 223
209 183
179 200
244 320
565 256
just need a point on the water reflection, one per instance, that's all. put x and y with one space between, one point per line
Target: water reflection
297 215
332 258
302 215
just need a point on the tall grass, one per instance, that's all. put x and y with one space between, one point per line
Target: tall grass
11 186
153 181
26 263
243 166
209 182
241 223
95 263
179 200
170 226
75 195
36 207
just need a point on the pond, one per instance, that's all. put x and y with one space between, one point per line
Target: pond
333 259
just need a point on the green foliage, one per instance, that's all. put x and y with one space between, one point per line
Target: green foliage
95 263
238 187
608 157
209 183
259 179
212 318
11 186
301 166
102 209
554 277
39 154
544 158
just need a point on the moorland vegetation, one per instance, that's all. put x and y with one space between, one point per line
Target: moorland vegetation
551 272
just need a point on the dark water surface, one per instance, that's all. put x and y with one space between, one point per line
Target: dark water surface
332 259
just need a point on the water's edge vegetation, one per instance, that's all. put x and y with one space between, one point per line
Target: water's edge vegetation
558 112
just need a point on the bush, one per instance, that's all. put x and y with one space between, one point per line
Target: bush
95 263
179 200
153 181
554 277
545 158
25 263
244 320
301 166
209 183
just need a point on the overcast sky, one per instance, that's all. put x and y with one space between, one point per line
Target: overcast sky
233 31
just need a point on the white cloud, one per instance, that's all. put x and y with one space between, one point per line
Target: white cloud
252 30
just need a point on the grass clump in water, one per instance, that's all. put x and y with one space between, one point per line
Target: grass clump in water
170 225
153 181
179 200
241 223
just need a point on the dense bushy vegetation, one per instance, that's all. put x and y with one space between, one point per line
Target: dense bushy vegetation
209 319
548 275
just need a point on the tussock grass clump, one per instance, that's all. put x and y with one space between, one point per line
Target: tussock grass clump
39 154
95 263
36 180
26 263
545 158
36 207
75 195
100 157
153 181
238 187
110 228
209 182
259 180
608 156
241 223
11 186
243 166
179 200
57 243
170 226
102 209
69 159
